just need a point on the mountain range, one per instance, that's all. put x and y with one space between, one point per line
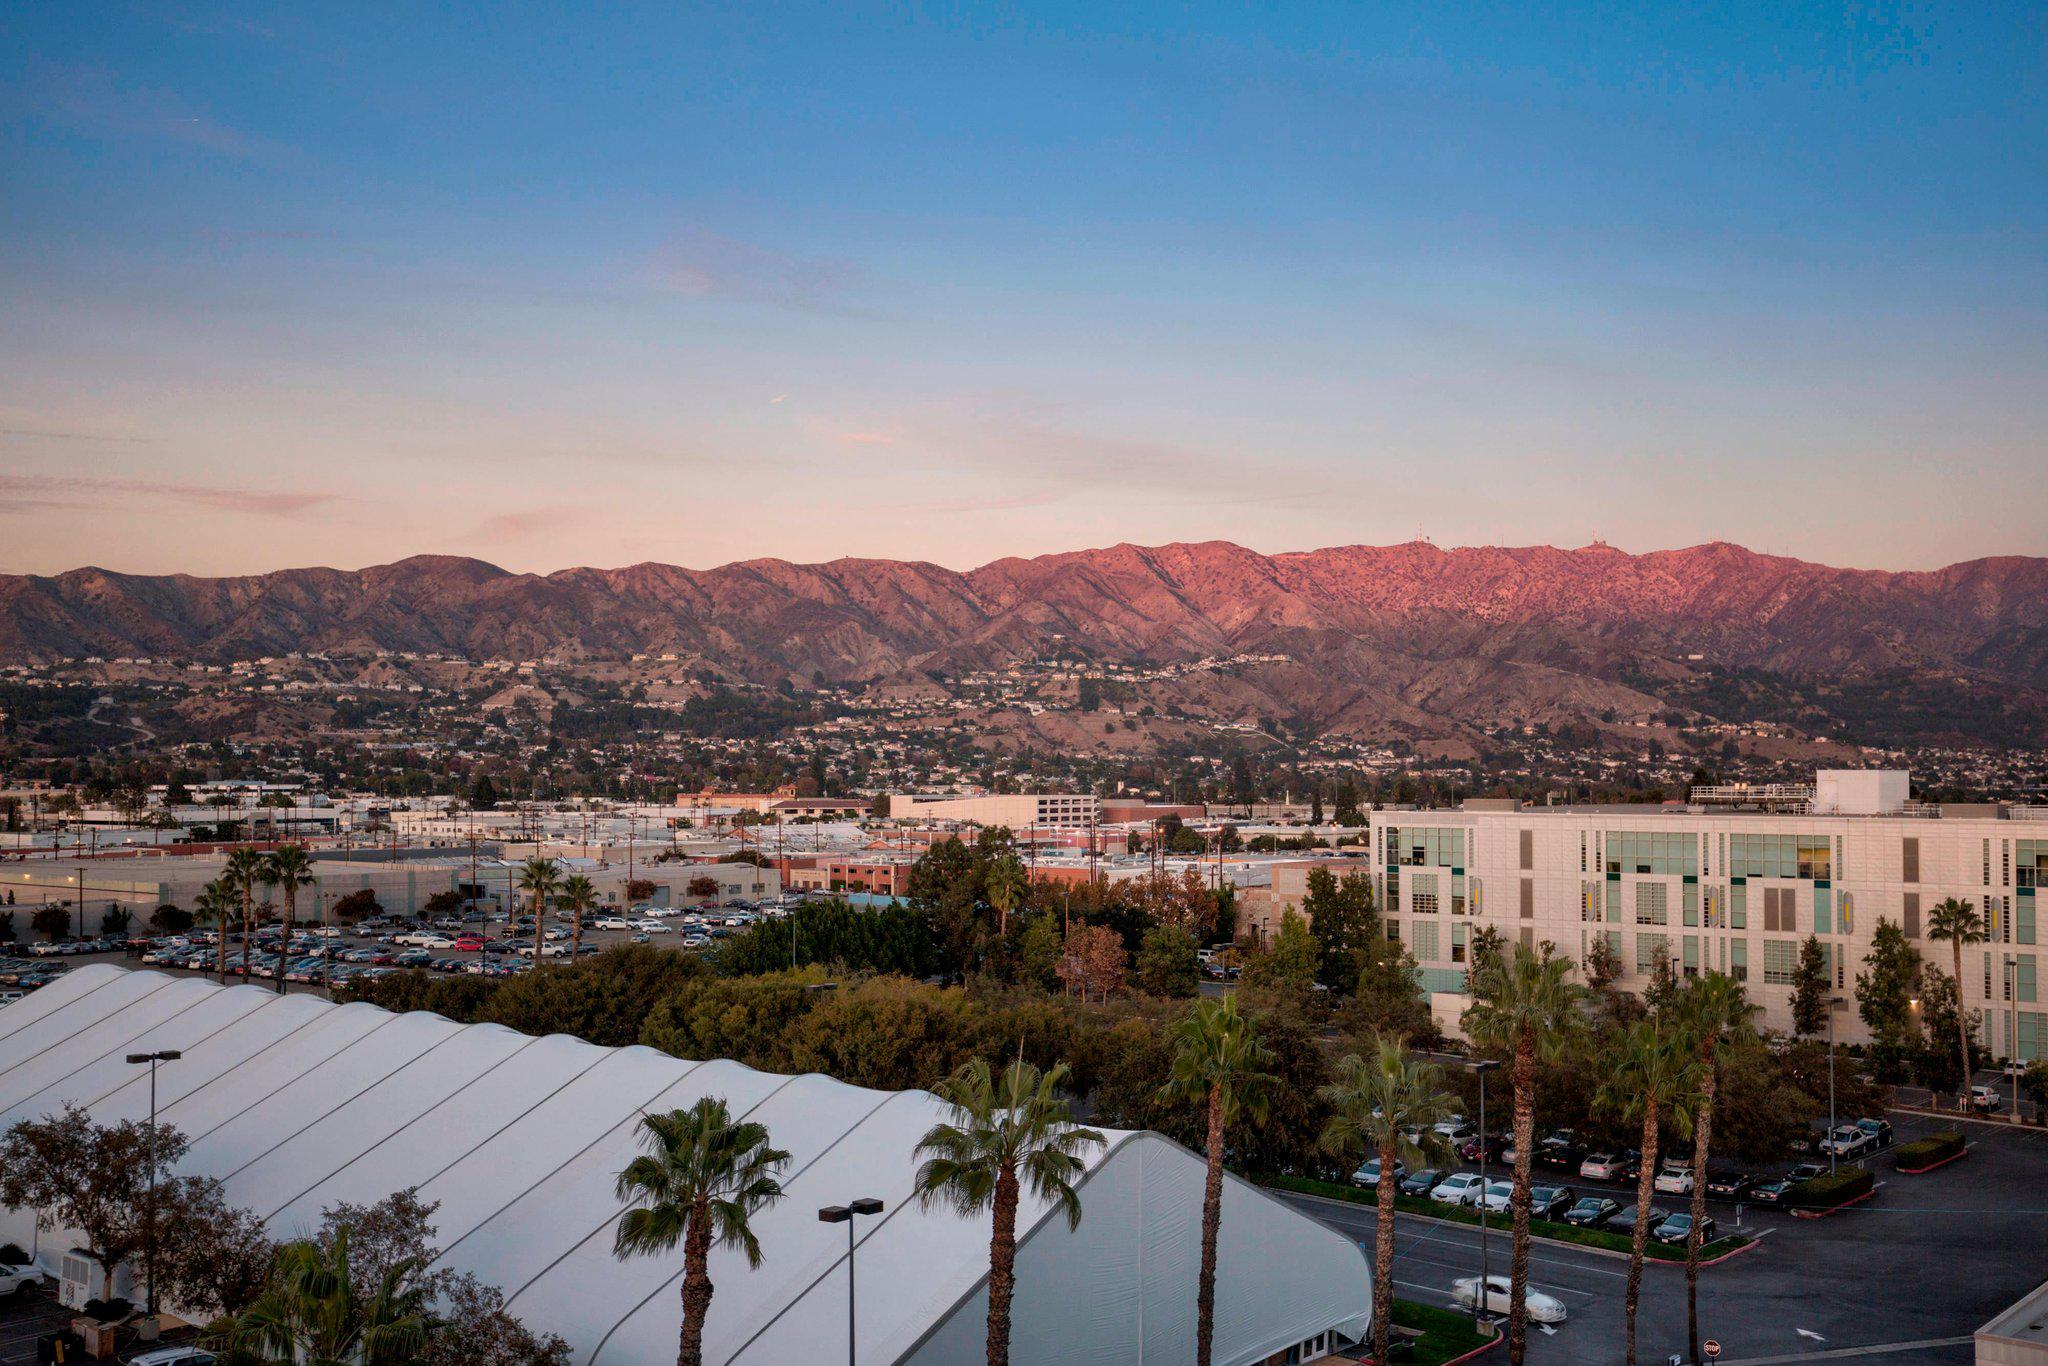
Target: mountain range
1412 636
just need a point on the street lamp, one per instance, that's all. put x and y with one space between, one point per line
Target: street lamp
149 1231
1835 1003
2012 1036
843 1214
1482 1066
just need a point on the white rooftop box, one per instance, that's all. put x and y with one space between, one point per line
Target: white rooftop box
1861 791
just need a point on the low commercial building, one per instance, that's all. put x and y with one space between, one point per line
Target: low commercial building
1017 810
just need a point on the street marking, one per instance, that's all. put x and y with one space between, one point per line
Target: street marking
1837 1353
1809 1333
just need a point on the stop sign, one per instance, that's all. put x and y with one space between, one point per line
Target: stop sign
1711 1348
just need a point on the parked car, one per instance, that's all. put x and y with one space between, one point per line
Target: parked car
1774 1192
1420 1183
1985 1098
1368 1174
1847 1141
654 927
1497 1195
1678 1228
1591 1211
2014 1068
611 922
1605 1167
1879 1129
1541 1308
1624 1220
1494 1147
1548 1202
1674 1177
1559 1150
19 1278
174 1356
1460 1188
1456 1131
1731 1185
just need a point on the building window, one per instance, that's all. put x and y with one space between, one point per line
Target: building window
1779 955
1650 904
1662 853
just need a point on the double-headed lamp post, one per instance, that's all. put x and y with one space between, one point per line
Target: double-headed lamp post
1482 1066
843 1214
149 1229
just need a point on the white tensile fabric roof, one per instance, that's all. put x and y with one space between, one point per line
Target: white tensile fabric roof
296 1104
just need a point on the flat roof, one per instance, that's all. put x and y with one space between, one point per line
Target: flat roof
2026 1320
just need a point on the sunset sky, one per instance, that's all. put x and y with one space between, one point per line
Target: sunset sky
556 285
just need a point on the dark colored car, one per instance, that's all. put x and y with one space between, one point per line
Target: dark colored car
1420 1183
1774 1192
1879 1129
1548 1202
1678 1228
1591 1211
1731 1185
1493 1146
1624 1220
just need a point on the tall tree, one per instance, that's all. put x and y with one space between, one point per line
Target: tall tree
1006 885
1220 1064
1524 1004
243 870
1716 1015
699 1183
578 894
1651 1077
288 868
218 906
313 1311
539 878
1957 922
1375 1103
1340 916
1886 990
1007 1134
1811 988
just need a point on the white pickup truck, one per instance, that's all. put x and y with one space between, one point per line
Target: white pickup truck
17 1280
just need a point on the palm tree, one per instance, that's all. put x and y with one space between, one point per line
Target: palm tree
1219 1062
1524 1004
1957 922
289 868
699 1183
244 869
1007 1135
217 905
312 1311
1653 1076
1374 1102
539 878
1006 885
579 895
1715 1014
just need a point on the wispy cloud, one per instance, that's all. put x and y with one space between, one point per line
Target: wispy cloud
704 264
37 492
53 434
94 100
519 526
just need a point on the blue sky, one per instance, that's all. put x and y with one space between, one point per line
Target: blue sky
556 284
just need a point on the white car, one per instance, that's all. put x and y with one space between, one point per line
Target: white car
1497 1195
1460 1188
653 927
1847 1141
611 922
1674 1177
1981 1097
175 1356
696 941
2014 1068
1542 1308
16 1279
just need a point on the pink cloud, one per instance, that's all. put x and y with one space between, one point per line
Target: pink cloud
93 99
29 492
705 264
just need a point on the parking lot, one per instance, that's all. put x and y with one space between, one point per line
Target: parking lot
1907 1275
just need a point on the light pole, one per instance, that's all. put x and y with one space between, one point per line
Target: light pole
149 1230
2012 1035
1835 1003
843 1214
1482 1066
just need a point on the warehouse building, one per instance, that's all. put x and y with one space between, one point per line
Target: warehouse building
296 1104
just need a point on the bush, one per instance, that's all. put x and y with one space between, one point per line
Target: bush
1828 1191
1926 1152
14 1254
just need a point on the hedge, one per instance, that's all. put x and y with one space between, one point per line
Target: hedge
1927 1152
1446 1333
1830 1190
1540 1228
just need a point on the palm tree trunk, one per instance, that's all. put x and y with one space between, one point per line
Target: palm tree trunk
575 931
1702 1136
1645 1189
291 897
248 929
1518 1202
1962 1030
1212 1223
1383 1257
1002 1268
696 1285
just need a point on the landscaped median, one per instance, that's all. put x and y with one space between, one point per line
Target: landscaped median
1925 1154
1445 1334
1721 1247
1828 1192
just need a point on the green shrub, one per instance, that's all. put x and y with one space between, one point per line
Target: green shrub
1831 1189
1925 1152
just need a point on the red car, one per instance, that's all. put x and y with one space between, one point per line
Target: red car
470 943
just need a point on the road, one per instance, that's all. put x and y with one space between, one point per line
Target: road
1905 1277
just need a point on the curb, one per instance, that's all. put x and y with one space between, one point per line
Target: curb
1824 1213
1933 1166
1706 1262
